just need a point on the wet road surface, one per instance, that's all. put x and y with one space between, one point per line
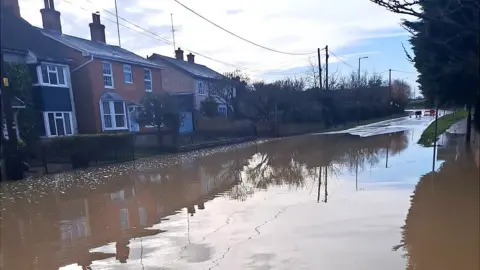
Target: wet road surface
335 201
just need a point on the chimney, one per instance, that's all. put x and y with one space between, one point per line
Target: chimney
12 6
51 17
179 54
97 30
191 58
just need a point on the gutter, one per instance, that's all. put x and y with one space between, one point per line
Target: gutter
82 65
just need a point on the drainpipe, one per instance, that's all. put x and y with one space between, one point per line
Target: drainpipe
84 64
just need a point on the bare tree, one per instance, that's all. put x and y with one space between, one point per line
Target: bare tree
312 79
223 91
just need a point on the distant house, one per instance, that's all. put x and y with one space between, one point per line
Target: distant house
109 82
49 70
188 77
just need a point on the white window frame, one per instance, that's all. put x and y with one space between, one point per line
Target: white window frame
128 71
222 106
145 80
55 117
111 104
201 89
108 75
58 68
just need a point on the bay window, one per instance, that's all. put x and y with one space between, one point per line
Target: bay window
113 115
52 75
58 123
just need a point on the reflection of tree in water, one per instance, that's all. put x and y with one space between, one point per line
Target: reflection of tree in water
442 225
291 161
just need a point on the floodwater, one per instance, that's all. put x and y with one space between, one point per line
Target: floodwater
333 201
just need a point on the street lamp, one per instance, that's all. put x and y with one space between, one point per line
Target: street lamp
359 59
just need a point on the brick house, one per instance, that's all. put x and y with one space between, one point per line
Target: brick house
188 77
52 96
108 81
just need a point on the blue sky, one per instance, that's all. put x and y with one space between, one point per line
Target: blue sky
383 53
351 28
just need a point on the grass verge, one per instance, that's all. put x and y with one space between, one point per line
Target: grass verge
444 122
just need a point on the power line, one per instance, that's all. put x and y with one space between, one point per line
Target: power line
134 24
235 35
163 40
110 20
159 38
410 72
341 59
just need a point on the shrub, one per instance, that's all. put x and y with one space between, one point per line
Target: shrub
81 150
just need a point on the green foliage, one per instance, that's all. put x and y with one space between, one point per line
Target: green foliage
444 122
81 150
209 107
21 86
446 52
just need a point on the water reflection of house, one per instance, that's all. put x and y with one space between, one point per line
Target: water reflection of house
63 227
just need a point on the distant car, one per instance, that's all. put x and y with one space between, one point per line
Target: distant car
418 114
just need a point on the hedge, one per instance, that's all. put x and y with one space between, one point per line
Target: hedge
82 150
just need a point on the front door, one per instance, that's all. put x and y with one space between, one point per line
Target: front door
132 114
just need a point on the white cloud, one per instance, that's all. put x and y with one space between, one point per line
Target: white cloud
293 26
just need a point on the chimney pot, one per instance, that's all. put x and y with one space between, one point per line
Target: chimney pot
191 58
179 54
97 29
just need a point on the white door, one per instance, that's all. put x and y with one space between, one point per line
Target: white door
132 114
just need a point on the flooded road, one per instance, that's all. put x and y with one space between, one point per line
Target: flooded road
334 201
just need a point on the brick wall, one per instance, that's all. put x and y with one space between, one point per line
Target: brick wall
175 81
129 91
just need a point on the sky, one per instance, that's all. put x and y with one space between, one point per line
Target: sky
351 29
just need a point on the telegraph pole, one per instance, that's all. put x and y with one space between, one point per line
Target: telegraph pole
319 68
173 33
118 25
326 68
389 88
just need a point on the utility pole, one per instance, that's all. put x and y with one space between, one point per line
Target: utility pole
173 33
319 183
326 184
389 88
118 25
435 139
326 68
319 68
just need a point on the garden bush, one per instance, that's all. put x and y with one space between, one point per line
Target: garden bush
82 150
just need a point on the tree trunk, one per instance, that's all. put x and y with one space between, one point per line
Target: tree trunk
468 135
476 117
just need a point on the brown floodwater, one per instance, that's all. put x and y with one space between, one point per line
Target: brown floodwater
332 201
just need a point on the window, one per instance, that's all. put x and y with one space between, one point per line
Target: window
58 123
113 115
222 110
202 91
148 80
52 75
127 73
107 75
